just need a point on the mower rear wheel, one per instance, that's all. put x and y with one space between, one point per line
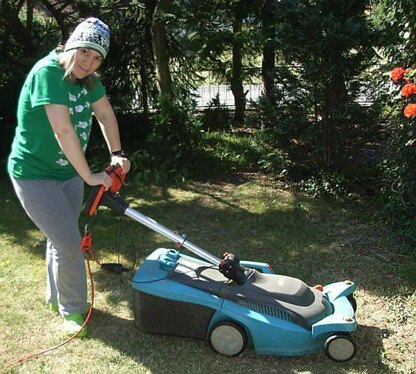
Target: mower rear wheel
340 347
228 338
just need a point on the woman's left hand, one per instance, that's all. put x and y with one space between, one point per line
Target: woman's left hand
122 161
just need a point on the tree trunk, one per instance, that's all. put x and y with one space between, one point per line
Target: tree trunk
269 53
60 11
160 50
146 51
237 71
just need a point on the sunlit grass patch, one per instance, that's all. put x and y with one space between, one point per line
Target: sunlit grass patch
316 240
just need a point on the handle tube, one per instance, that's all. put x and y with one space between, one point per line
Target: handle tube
155 226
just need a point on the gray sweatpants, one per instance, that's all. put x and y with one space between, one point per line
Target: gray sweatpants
54 206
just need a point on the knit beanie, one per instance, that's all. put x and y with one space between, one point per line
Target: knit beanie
91 33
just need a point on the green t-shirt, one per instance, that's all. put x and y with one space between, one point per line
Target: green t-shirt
35 152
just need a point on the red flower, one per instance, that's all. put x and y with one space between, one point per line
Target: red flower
408 89
410 110
397 74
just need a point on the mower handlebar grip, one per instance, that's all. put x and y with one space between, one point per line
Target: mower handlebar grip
94 199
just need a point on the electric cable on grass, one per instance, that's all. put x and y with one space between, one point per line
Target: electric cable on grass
86 248
28 357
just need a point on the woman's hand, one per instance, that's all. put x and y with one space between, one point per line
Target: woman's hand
97 179
122 161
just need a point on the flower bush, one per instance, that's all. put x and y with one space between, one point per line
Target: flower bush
404 131
400 166
405 77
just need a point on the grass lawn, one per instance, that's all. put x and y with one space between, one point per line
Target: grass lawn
317 240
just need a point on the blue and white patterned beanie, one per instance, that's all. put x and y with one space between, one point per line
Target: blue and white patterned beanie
91 33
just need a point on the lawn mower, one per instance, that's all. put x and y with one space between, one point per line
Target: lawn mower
233 304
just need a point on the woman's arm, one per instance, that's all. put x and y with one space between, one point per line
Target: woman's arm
108 123
60 121
109 127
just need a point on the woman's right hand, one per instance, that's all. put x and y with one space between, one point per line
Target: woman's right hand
97 179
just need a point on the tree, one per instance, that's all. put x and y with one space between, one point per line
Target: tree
236 76
28 30
130 67
223 42
269 53
395 22
324 47
161 48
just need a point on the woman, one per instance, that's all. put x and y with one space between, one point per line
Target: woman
47 165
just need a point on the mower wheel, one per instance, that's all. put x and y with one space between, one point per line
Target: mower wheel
340 347
228 338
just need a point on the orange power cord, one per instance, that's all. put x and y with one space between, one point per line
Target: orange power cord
86 248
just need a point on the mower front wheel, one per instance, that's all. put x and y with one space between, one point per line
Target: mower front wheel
228 338
340 347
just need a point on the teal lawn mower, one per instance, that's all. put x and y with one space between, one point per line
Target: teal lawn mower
232 304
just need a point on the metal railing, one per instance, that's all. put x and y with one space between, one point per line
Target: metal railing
207 95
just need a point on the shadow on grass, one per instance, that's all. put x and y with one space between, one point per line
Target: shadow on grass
316 241
152 351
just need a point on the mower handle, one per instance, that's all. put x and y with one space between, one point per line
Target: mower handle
98 192
229 265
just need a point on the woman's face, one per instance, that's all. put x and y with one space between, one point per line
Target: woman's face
87 61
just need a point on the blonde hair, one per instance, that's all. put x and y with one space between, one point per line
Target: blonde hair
67 61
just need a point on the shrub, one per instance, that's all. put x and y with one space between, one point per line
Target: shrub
172 143
400 167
